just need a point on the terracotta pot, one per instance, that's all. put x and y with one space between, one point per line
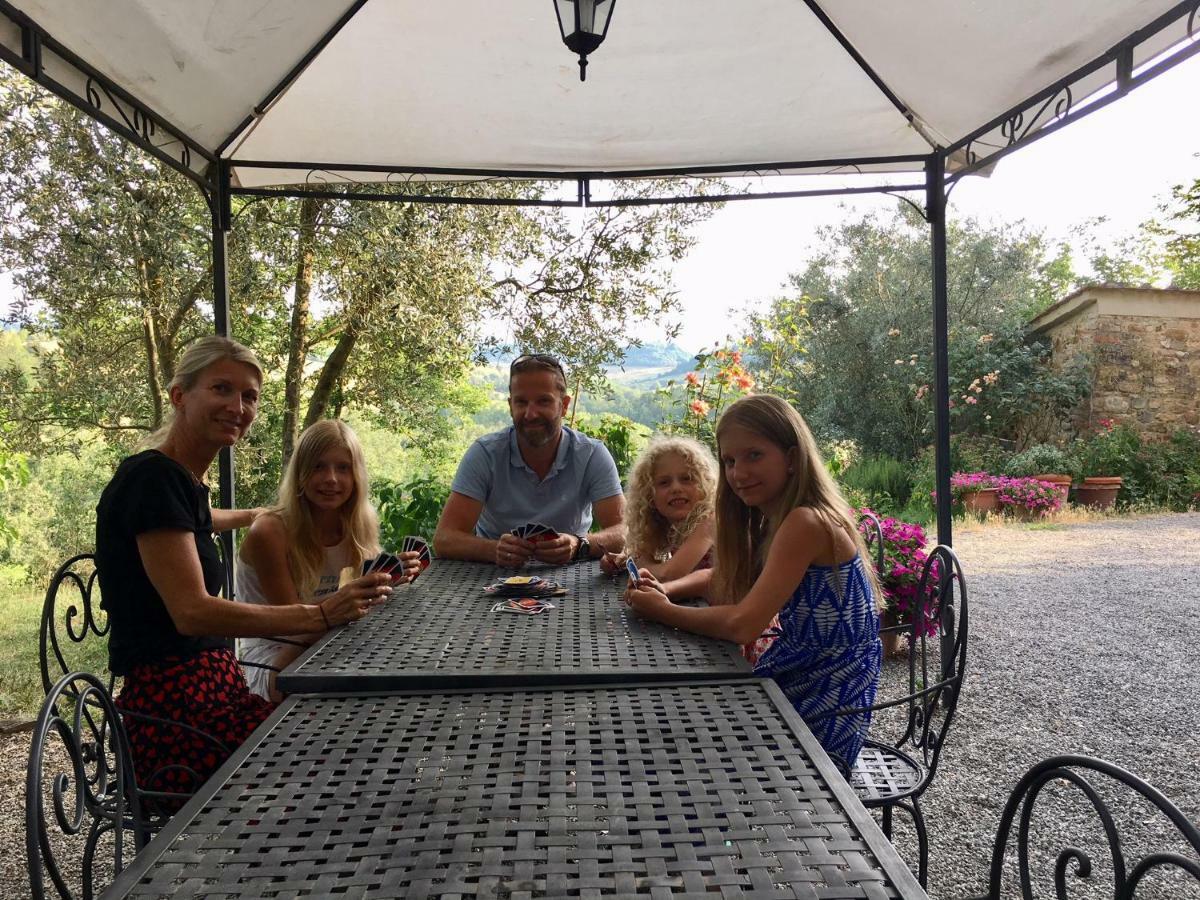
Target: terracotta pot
894 642
981 501
1098 492
1061 482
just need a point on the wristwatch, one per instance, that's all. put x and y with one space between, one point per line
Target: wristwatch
584 550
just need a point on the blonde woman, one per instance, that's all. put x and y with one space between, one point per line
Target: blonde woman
669 515
322 523
160 575
786 546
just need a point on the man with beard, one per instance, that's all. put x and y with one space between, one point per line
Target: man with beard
536 471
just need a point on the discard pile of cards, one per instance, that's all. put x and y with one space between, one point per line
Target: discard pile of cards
390 564
535 532
533 586
524 606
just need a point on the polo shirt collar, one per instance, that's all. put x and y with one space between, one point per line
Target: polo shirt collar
560 457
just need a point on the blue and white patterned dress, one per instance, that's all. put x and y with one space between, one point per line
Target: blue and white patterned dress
828 654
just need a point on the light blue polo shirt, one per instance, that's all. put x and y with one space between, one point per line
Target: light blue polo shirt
493 472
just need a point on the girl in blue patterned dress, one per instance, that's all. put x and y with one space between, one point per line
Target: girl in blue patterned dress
786 545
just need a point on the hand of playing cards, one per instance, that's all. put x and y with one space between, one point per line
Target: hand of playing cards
530 541
414 556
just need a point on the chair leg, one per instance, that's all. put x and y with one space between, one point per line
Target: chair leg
914 811
887 821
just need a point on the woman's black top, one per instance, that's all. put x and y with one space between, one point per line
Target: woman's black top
149 492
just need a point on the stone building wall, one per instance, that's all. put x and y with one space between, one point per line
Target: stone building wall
1145 348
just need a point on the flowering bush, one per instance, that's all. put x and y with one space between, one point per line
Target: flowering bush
966 482
718 379
903 559
1034 497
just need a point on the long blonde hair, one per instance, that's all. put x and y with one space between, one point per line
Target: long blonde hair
744 533
360 524
648 534
199 355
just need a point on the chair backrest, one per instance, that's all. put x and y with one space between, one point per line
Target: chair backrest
79 788
872 532
1071 770
935 675
74 629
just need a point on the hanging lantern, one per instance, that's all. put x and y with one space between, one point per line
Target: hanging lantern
583 24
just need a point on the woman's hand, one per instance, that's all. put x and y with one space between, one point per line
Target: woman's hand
409 568
612 563
356 598
647 601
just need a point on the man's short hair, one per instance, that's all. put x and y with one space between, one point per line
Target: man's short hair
539 362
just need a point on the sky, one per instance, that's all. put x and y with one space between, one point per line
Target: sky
1118 162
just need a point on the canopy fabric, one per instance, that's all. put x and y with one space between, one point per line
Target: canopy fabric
481 85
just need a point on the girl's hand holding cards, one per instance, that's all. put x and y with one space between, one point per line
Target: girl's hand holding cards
355 599
409 568
612 563
646 601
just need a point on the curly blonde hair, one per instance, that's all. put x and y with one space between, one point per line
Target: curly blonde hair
648 534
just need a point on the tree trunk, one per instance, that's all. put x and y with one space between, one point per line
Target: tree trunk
310 210
331 374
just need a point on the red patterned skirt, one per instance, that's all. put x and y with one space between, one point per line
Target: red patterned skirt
206 692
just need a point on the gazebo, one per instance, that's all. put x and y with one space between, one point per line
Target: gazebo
354 99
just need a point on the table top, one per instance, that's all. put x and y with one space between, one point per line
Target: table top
667 790
440 632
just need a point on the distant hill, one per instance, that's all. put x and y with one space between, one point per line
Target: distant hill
667 356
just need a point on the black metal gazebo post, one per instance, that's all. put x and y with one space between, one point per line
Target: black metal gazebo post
219 200
935 206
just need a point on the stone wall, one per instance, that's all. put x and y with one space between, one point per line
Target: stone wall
1145 348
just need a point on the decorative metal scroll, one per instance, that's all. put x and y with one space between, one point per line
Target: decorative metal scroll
71 616
137 120
1076 862
79 786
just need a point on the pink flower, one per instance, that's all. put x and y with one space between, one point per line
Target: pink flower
693 379
972 400
699 407
745 382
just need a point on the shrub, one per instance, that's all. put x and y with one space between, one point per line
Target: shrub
411 507
1043 459
623 437
1110 451
886 482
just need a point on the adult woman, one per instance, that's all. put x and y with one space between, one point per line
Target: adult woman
321 524
160 573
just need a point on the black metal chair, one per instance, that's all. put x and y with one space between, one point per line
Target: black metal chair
87 796
872 532
1071 770
890 775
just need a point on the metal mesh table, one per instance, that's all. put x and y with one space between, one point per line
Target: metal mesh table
440 633
697 789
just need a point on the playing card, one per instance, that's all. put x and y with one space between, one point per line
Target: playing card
420 546
632 568
525 606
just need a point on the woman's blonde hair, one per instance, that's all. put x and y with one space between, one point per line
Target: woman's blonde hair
199 355
744 533
360 525
648 534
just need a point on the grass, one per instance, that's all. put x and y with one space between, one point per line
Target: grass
20 677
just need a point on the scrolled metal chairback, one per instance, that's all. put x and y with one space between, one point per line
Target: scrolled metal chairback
80 783
71 615
933 697
872 532
1077 862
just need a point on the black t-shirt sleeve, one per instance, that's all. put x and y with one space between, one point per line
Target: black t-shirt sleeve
158 495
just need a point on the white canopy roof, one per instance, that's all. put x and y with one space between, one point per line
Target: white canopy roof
678 84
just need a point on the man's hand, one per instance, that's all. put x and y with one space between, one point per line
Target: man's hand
512 551
557 552
612 563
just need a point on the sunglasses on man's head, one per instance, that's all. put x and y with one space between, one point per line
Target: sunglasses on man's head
544 359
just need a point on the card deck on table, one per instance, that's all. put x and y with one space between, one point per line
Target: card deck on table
524 606
525 586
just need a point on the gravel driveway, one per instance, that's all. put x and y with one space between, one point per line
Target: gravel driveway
1083 640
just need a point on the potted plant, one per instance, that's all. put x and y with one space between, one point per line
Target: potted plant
903 559
1103 457
1045 462
1029 498
976 491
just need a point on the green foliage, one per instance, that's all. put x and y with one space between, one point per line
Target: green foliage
623 438
411 507
14 475
1111 451
886 482
967 454
1042 459
1153 474
851 343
